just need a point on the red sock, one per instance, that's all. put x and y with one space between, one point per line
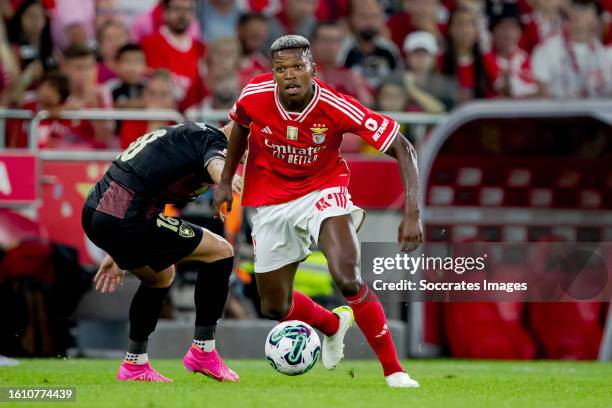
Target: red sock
370 318
306 310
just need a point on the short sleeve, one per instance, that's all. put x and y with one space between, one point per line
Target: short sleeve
216 147
378 130
238 114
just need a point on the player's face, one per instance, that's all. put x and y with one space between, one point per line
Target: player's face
293 71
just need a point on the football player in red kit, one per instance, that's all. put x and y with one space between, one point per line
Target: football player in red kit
292 124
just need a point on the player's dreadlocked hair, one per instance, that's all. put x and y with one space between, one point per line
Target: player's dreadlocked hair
291 42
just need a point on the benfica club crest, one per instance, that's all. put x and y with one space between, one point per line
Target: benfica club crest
318 133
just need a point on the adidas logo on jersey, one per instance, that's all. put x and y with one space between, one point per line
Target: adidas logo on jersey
266 130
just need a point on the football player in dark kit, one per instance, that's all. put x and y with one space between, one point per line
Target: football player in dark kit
124 216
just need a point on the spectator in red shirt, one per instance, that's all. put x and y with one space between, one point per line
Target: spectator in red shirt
51 95
515 79
81 69
544 21
252 34
148 23
112 35
172 48
417 15
326 44
475 72
157 95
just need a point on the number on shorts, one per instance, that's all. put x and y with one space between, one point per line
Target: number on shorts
140 143
168 222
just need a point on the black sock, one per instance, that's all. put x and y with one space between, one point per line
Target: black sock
144 314
212 287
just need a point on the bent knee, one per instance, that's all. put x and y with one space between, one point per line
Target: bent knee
275 311
162 279
345 271
225 250
348 286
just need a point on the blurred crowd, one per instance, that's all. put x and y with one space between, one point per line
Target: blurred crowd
196 55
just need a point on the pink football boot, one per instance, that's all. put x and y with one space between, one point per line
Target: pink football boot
209 364
139 372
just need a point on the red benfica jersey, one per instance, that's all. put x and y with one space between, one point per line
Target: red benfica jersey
293 154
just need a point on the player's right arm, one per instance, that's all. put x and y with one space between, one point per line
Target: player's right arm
238 143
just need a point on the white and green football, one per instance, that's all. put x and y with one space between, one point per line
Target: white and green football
292 347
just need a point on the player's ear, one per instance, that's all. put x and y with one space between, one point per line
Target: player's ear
314 69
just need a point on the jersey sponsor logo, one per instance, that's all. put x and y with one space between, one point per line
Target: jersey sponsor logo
292 154
292 133
318 133
380 130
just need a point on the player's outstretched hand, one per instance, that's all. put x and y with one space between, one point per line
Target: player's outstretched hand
223 195
410 233
109 276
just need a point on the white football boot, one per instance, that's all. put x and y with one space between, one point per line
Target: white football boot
333 346
401 380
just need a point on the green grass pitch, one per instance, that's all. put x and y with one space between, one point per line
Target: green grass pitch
444 383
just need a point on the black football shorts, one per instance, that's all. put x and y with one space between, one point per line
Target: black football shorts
157 242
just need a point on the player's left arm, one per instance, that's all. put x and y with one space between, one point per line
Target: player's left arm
410 232
382 133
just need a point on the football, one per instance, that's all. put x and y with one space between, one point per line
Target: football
292 347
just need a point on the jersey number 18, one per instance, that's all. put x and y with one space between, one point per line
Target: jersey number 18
137 145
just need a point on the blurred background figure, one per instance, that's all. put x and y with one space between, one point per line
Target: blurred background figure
79 65
253 33
126 90
111 35
464 60
575 64
432 92
218 18
30 37
223 56
367 51
326 42
392 95
73 22
9 70
418 15
174 49
150 22
296 17
515 78
105 12
544 21
51 95
157 95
